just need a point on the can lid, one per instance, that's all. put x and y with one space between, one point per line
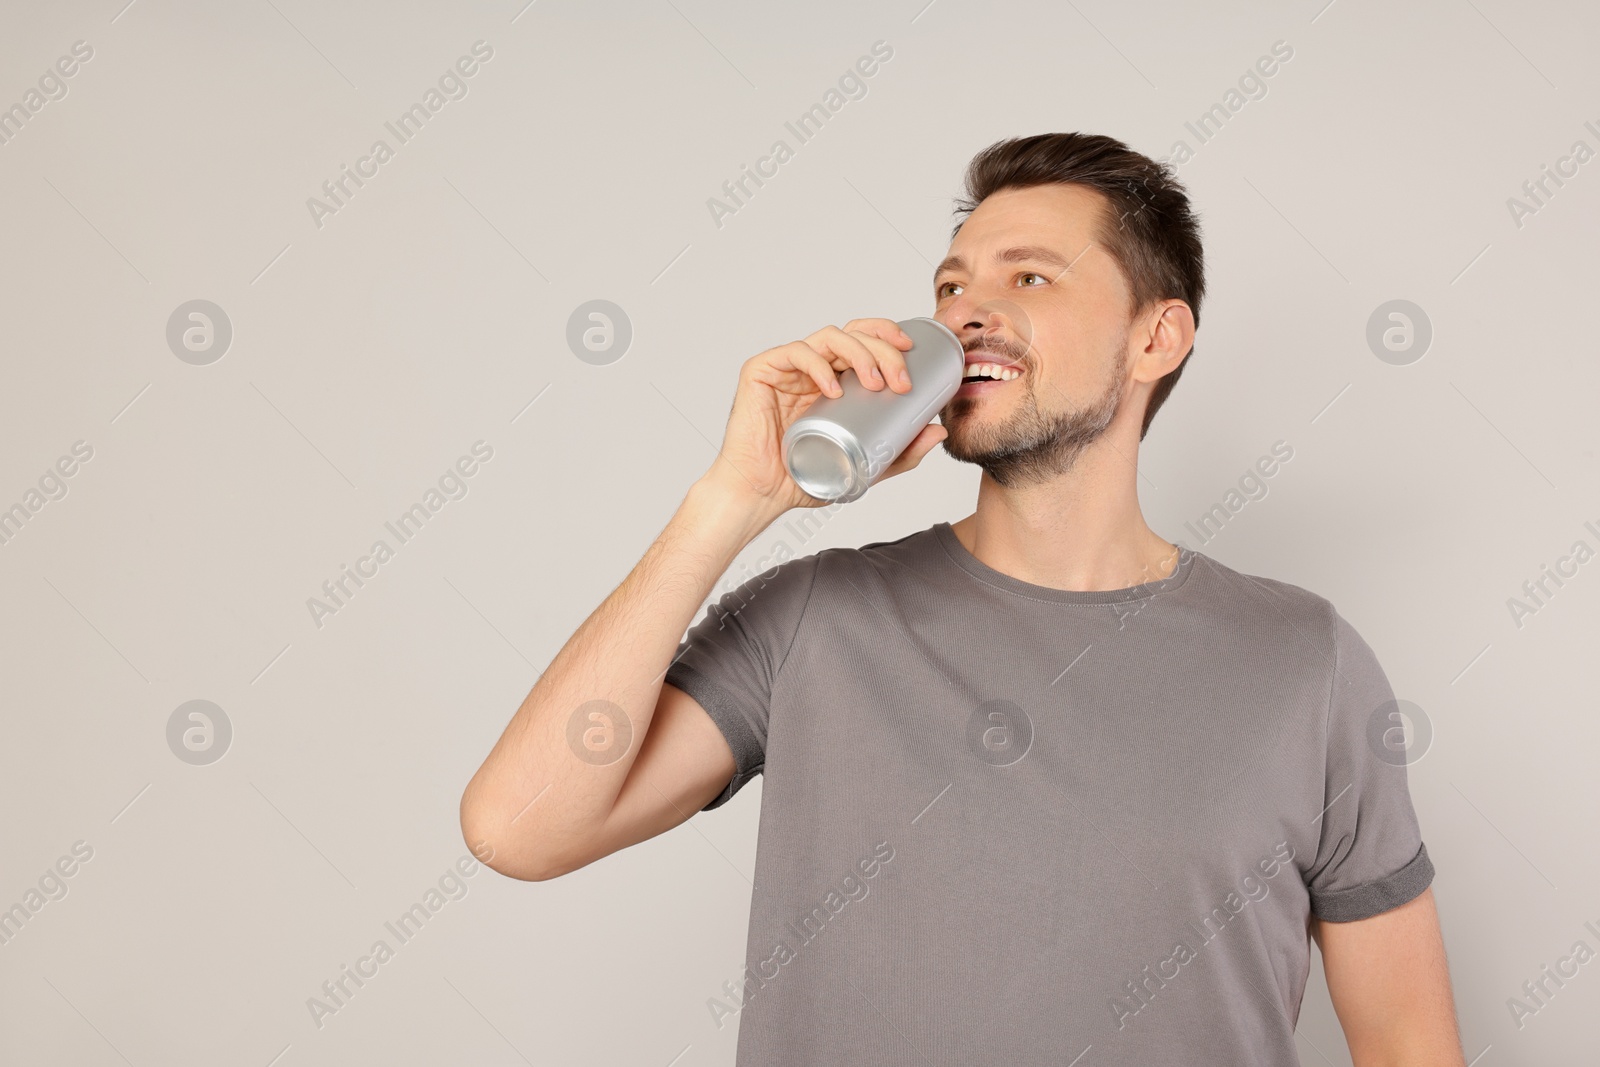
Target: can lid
823 466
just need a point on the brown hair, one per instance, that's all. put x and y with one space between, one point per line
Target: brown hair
1156 236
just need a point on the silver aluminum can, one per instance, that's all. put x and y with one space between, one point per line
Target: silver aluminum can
835 450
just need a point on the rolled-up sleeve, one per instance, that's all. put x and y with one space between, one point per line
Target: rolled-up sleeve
728 660
1370 857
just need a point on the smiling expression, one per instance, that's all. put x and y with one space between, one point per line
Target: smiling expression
1027 286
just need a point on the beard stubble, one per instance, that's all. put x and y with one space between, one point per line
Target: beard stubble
1031 445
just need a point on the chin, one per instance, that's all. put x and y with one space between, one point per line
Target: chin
967 443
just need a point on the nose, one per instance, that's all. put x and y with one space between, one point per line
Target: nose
1000 320
966 315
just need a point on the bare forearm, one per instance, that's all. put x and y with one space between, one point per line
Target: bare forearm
1421 1033
1389 980
533 795
1406 1052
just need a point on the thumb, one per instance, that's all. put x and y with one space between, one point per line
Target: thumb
929 436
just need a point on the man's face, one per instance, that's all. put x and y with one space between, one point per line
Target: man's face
1027 283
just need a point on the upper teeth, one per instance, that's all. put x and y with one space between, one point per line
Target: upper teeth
992 370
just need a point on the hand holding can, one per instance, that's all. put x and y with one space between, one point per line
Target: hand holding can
782 385
837 450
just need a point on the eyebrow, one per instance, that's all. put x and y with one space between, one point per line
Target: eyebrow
1020 254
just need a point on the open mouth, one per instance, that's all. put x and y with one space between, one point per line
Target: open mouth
984 377
985 372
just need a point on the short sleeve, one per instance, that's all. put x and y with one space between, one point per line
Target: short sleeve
1370 857
729 660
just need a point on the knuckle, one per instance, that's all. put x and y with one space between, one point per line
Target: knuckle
889 355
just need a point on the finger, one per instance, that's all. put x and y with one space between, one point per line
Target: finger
887 329
891 362
853 350
802 357
877 362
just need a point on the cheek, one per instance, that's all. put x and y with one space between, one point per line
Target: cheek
1077 366
1071 353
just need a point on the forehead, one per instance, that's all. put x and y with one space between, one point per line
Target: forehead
1062 218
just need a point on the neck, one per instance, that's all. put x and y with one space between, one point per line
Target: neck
1081 529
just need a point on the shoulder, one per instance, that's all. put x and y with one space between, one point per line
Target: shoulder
889 560
816 581
874 554
1261 604
799 576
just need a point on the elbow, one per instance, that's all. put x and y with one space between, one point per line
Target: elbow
488 836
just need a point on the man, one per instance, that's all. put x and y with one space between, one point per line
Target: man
1040 786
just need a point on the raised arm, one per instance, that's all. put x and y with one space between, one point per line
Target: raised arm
536 808
540 807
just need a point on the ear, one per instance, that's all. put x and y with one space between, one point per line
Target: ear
1167 331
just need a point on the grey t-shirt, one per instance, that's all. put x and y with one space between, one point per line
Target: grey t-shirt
1004 823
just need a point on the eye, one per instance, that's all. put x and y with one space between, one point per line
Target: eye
940 293
1032 274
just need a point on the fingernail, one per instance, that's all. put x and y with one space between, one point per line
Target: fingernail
876 374
905 379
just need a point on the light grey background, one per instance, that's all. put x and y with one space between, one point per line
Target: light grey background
431 310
